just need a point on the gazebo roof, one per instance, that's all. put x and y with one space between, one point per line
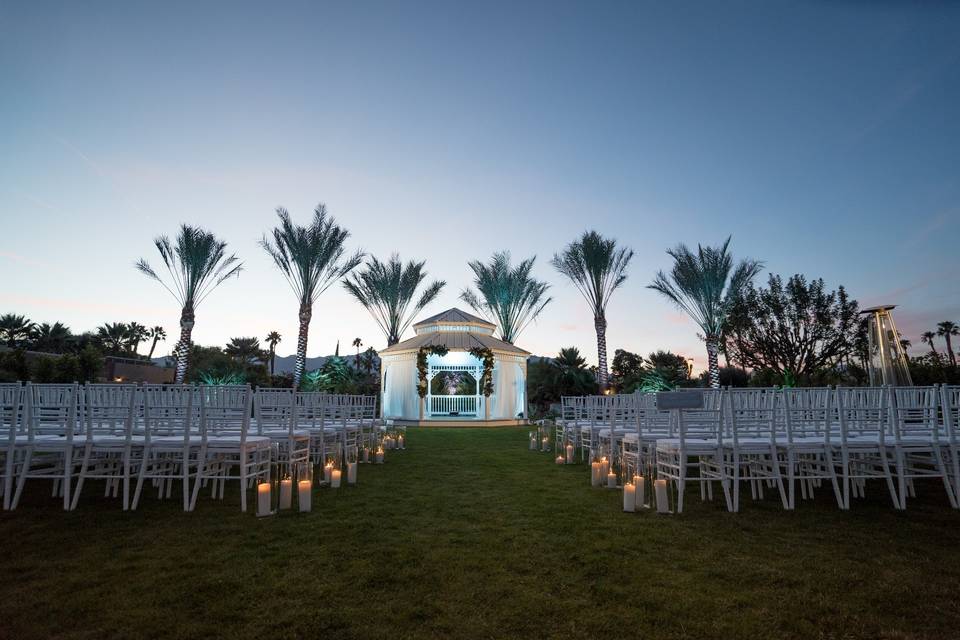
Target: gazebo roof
456 330
454 316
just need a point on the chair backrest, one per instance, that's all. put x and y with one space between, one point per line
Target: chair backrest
751 413
950 405
862 412
914 412
171 410
109 409
225 410
52 410
273 409
808 413
11 412
702 425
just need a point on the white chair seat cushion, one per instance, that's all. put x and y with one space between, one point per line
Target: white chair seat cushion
672 445
233 441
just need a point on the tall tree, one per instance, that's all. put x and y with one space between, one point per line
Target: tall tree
197 263
136 333
794 328
53 338
273 339
929 337
157 334
597 267
506 295
946 329
387 289
245 350
115 337
357 342
704 285
14 329
311 259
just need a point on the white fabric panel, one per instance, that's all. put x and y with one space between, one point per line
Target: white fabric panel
400 390
504 399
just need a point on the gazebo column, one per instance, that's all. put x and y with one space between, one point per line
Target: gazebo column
429 399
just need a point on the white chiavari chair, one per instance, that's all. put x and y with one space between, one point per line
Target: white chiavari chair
698 444
11 423
950 441
915 422
108 442
230 451
173 440
807 449
750 443
49 446
275 416
862 452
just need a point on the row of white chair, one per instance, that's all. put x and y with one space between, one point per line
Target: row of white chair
157 434
778 438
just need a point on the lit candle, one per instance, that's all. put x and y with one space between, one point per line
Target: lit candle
629 497
595 474
569 454
611 480
640 483
660 487
304 495
351 473
604 466
263 499
533 442
559 459
335 479
366 455
327 471
400 442
286 493
544 446
380 455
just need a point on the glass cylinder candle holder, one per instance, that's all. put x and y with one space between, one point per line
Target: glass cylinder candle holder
268 483
305 487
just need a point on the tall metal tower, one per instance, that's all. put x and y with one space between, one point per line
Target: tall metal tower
888 361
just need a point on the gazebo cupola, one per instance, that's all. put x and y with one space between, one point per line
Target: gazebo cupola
453 378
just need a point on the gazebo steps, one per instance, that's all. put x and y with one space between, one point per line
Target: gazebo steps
460 421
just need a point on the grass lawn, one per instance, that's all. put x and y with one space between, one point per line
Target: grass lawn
466 534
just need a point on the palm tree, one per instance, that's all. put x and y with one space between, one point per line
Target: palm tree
137 333
157 334
508 296
570 358
244 350
51 337
929 337
115 337
948 329
14 329
311 259
273 338
357 342
386 289
704 285
196 265
597 267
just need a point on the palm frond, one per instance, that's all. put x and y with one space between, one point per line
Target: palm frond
596 267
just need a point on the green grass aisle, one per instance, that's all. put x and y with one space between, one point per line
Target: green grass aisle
466 534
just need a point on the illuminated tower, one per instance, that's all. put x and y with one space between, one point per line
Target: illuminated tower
888 361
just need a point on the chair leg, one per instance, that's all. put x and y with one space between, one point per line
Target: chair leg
84 464
144 463
942 468
67 476
243 480
8 478
201 463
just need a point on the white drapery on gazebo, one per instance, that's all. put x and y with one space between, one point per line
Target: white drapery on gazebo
458 332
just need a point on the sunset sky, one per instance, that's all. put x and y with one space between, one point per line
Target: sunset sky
823 136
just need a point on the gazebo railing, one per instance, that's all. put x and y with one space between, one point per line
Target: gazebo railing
447 405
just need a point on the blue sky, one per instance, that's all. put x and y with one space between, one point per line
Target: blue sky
823 136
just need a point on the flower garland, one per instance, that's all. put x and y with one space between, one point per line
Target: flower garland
486 379
422 353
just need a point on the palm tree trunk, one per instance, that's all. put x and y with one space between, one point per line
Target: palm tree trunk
306 313
950 353
600 323
273 359
182 351
152 348
712 362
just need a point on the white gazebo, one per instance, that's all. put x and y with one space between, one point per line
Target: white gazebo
454 394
